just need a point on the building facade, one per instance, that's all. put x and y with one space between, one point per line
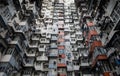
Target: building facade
59 38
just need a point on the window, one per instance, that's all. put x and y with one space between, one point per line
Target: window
42 39
41 46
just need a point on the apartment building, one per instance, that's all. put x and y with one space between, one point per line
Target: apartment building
59 38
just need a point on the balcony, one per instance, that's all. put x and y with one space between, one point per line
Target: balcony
84 9
62 72
53 73
62 55
61 43
61 33
31 52
73 35
61 26
44 40
54 38
35 37
42 48
61 51
54 32
83 4
52 64
75 57
43 34
83 64
38 65
61 47
78 27
53 53
67 36
76 22
45 67
61 40
29 62
81 46
48 20
84 61
27 72
69 66
66 29
89 23
33 44
61 18
72 29
42 57
61 63
59 4
43 74
53 46
73 40
37 30
76 67
75 17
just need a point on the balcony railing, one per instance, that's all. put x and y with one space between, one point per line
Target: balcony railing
44 40
70 68
31 53
52 73
76 67
61 63
61 51
34 37
73 40
52 66
54 38
42 58
33 45
61 40
29 62
61 47
84 64
37 66
53 45
42 48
